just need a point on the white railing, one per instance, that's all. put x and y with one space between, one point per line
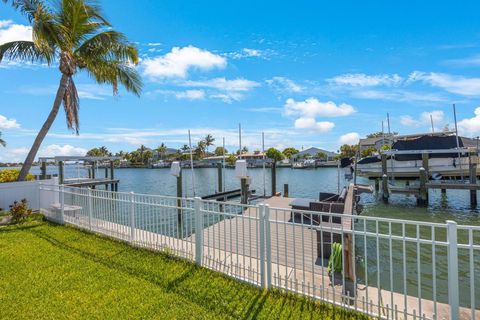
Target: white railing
393 269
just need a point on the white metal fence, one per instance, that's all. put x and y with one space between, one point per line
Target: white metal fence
394 269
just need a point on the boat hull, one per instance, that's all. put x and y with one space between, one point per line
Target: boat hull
446 167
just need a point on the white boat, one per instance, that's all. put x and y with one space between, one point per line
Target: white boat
404 160
308 163
160 164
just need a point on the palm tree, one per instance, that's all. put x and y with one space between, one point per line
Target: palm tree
3 143
142 150
209 140
162 148
74 33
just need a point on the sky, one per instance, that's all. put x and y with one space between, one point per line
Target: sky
306 73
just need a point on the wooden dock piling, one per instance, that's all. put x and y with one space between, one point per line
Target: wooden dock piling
285 190
244 191
423 191
61 175
377 185
473 158
43 170
385 192
219 178
274 178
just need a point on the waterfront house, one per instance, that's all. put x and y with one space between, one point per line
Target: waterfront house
312 152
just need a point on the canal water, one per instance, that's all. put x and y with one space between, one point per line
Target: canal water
307 183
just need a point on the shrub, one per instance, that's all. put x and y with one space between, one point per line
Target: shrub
335 260
11 175
20 210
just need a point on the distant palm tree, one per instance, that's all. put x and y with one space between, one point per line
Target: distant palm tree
209 140
74 33
3 143
142 150
200 150
162 148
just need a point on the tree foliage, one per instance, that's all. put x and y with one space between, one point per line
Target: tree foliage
348 151
289 152
219 151
274 154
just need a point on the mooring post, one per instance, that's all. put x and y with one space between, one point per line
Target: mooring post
244 191
384 165
274 178
425 162
285 190
179 204
106 177
219 177
112 186
60 172
43 170
423 192
94 165
377 184
385 193
473 178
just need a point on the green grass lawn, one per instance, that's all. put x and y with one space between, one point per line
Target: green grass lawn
49 272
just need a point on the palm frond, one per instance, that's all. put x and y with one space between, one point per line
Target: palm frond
71 104
24 51
26 7
109 45
114 73
3 143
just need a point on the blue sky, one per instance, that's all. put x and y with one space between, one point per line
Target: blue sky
305 73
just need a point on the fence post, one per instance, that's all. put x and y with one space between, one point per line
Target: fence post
62 204
198 231
452 252
90 209
132 217
261 240
268 245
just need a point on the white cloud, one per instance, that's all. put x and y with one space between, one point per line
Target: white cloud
470 61
470 126
312 124
311 107
250 53
19 154
283 84
364 80
349 138
154 44
224 89
6 123
10 31
451 83
191 94
179 61
409 121
59 150
437 116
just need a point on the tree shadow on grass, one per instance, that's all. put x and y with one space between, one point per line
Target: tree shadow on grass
231 292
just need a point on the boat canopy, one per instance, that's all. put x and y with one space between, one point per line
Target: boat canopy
427 143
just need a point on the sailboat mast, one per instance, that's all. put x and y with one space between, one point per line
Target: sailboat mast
431 122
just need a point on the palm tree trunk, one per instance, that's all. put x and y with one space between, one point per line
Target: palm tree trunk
27 164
